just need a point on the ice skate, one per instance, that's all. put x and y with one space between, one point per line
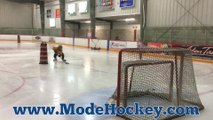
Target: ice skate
65 61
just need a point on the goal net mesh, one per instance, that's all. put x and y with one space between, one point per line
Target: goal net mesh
156 77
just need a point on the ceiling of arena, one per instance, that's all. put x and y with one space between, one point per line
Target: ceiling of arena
31 1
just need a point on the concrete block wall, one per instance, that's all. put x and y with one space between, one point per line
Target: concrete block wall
162 14
15 18
185 35
184 21
102 30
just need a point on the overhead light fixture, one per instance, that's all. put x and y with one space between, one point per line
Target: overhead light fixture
87 21
129 19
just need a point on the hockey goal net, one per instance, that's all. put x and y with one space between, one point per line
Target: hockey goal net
156 77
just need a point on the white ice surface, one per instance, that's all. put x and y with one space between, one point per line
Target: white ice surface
23 81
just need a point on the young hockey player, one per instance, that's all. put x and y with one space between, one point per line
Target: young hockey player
58 51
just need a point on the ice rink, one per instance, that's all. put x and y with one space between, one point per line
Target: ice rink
91 76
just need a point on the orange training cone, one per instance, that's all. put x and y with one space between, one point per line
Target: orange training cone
43 53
